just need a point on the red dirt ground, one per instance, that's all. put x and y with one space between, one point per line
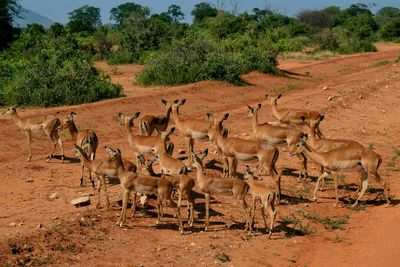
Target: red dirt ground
364 106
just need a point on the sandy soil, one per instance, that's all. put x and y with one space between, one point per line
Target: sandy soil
364 106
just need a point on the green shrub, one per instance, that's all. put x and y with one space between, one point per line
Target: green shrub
57 74
198 58
121 56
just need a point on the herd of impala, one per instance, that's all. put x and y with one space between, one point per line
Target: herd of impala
333 155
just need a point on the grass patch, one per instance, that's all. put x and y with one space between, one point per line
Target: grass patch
296 227
336 239
223 257
358 207
330 223
397 60
381 63
284 89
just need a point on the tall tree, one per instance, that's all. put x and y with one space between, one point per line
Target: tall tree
8 9
85 18
203 10
175 13
123 11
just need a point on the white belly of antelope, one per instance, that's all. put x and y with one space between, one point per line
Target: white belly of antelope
199 135
145 149
245 157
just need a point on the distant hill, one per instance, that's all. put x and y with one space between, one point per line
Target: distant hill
27 16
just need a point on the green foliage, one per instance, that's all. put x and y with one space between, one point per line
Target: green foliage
197 58
54 72
8 9
84 19
121 56
391 30
203 10
124 11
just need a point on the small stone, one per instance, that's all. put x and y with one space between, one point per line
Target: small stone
383 111
53 196
387 86
13 224
81 201
39 226
325 88
305 205
192 244
30 180
330 98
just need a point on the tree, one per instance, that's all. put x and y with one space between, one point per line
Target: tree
84 19
320 19
386 14
123 11
175 13
8 9
203 10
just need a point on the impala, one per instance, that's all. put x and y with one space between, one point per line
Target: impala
86 139
266 197
293 116
102 169
149 123
210 185
345 159
276 134
234 149
133 182
48 124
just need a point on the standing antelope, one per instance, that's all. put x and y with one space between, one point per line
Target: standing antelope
86 139
49 124
234 149
101 169
345 159
325 145
168 164
133 182
149 123
293 116
191 129
181 182
138 143
267 199
210 185
275 134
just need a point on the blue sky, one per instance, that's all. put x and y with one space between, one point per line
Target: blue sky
57 10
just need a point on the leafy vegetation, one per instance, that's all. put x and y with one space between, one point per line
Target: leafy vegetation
54 66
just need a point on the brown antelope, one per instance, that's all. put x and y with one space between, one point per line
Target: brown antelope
48 124
210 185
102 169
325 145
138 143
293 116
191 129
149 123
182 183
275 134
86 139
168 164
234 149
133 182
345 159
266 197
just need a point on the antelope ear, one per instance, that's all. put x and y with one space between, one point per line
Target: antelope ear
183 101
259 105
158 131
121 115
108 149
226 116
205 152
248 170
176 101
279 96
250 108
137 114
119 151
172 130
321 117
210 116
165 102
303 118
225 132
72 115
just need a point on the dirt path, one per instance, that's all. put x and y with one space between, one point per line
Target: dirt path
364 106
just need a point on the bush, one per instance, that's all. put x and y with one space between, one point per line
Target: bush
197 59
121 56
57 74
